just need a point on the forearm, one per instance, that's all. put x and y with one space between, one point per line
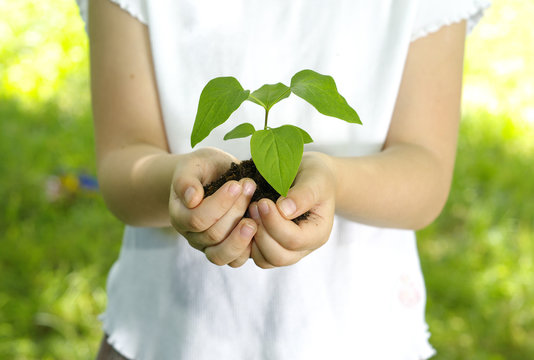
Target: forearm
135 181
404 186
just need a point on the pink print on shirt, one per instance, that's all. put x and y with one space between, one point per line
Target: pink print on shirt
409 294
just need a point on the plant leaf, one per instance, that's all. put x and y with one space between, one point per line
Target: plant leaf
219 99
321 92
306 138
277 154
269 94
240 131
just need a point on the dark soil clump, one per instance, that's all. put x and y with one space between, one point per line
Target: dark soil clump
247 169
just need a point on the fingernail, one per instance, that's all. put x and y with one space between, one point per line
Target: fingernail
264 208
248 188
288 207
253 210
235 189
188 195
247 230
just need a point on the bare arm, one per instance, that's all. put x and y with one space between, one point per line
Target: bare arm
134 166
142 183
407 184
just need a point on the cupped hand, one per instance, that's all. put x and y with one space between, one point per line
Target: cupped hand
214 225
278 240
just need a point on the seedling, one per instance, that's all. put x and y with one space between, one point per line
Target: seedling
276 152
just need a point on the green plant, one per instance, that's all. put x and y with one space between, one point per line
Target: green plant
276 152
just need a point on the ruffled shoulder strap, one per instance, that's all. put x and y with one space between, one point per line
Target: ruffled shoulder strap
136 8
431 15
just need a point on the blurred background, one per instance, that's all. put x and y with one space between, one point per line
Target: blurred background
58 241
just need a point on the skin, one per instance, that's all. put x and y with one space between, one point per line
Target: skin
404 186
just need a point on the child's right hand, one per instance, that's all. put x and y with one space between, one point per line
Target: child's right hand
214 225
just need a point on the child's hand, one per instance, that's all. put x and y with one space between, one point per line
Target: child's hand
278 240
214 225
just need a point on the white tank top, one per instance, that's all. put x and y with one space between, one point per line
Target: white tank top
361 295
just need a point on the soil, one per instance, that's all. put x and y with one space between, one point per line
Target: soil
247 169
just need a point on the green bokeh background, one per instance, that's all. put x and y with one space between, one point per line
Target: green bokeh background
55 252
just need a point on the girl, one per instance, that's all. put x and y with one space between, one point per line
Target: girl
346 284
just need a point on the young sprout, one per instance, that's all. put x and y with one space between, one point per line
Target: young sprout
276 152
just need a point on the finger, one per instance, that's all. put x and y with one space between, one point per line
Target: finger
222 228
243 258
272 252
187 185
210 209
191 221
198 168
254 213
303 196
176 211
289 235
270 247
258 258
232 247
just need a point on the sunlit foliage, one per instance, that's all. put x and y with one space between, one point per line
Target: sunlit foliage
43 52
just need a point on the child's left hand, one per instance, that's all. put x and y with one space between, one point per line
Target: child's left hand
278 240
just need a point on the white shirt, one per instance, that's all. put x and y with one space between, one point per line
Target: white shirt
361 295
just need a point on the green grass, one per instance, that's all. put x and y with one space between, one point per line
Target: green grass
54 255
478 257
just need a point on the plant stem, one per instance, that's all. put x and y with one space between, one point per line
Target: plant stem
266 117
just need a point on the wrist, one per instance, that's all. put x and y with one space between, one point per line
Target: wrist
135 183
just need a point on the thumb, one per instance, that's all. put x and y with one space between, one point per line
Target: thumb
300 198
192 196
188 187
